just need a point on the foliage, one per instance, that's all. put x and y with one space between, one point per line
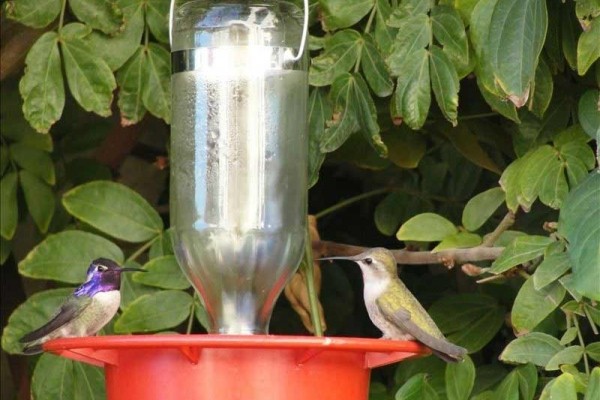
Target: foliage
510 129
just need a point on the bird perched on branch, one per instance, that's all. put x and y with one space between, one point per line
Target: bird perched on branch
91 306
394 310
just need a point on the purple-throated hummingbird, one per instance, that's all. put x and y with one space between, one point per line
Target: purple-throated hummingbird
91 306
393 309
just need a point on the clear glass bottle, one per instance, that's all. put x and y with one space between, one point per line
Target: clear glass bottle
238 154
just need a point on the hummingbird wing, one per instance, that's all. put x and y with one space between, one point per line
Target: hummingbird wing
69 310
402 318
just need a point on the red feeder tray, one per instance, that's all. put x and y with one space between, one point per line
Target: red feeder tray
228 367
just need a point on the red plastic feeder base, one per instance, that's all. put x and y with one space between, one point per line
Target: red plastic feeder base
224 367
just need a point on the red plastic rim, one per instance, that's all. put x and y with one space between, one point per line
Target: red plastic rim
235 341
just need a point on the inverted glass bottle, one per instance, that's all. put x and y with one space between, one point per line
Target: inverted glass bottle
239 155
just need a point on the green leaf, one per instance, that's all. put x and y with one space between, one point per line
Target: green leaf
593 389
522 249
427 227
593 350
508 388
339 14
562 388
117 49
578 224
570 31
154 312
498 104
588 47
416 388
468 320
31 314
467 144
341 53
589 113
554 187
414 34
384 35
528 378
90 79
9 208
366 114
104 15
65 256
449 31
56 377
570 355
516 37
569 335
396 208
33 13
460 378
131 290
413 93
345 118
34 160
157 18
552 268
131 80
532 306
374 68
319 111
534 172
535 347
542 90
163 272
444 82
481 207
479 32
406 147
460 240
163 246
42 85
407 9
39 198
114 209
156 91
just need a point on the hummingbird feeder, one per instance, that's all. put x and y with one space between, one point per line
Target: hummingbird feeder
238 200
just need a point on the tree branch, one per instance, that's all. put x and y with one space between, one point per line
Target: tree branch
507 222
450 256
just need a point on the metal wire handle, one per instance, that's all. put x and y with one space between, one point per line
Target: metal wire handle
302 40
171 12
304 33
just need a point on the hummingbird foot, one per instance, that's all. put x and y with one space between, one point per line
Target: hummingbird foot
405 336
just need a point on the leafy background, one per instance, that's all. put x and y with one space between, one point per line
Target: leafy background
461 130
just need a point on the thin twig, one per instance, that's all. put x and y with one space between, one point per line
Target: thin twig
309 275
460 256
590 320
490 279
351 200
192 310
492 237
582 344
142 249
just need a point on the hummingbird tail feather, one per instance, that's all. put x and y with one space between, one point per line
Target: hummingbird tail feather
31 349
448 357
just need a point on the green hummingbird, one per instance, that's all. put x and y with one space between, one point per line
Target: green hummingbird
394 310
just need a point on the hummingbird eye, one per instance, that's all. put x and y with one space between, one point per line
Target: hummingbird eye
368 261
101 268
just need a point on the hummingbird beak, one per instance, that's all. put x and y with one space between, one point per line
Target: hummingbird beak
133 269
354 258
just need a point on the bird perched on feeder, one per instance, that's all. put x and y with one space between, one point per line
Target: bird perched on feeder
393 309
91 306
